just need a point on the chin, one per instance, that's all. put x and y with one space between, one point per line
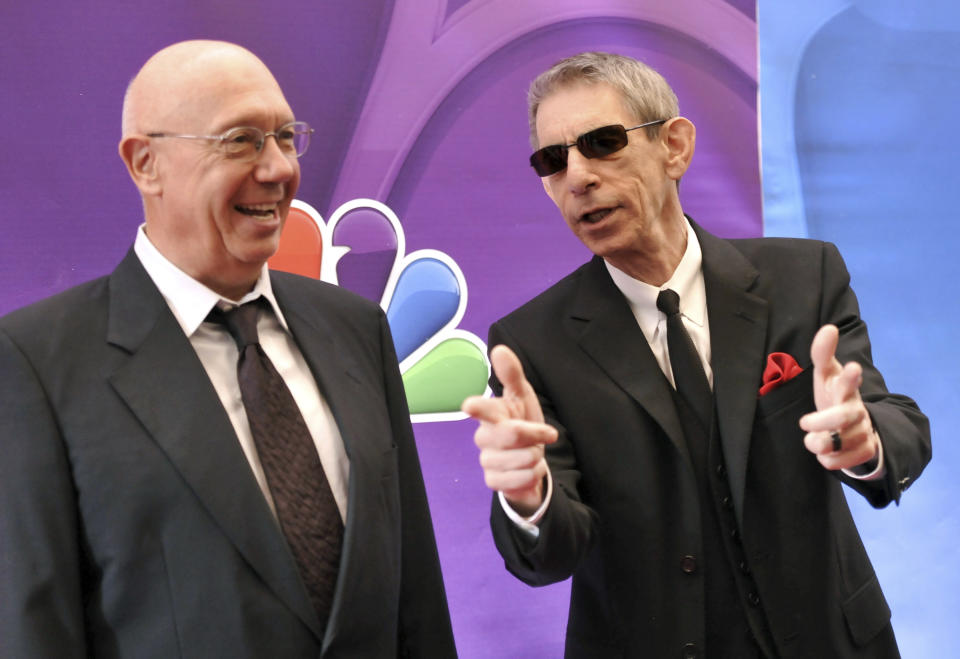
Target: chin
256 254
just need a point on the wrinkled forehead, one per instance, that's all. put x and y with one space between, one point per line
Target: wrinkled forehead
235 97
571 110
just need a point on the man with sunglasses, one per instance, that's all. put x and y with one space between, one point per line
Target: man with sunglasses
677 416
202 457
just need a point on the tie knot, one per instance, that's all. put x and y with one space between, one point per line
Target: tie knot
668 302
240 321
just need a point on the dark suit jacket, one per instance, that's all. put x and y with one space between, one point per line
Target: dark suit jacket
625 508
130 521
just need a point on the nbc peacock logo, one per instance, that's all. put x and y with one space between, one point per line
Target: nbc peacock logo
424 294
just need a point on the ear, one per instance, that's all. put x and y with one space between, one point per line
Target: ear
141 162
679 136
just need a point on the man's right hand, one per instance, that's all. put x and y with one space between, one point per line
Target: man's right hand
511 435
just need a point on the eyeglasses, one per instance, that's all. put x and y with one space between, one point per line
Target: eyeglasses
593 144
246 142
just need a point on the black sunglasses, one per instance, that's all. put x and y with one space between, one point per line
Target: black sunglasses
593 144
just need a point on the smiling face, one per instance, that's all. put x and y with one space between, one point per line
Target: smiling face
217 218
624 206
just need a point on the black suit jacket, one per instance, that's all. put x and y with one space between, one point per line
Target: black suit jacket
130 522
625 509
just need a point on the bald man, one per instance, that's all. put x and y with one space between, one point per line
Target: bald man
139 515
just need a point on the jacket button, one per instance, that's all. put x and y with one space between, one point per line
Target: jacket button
690 651
688 564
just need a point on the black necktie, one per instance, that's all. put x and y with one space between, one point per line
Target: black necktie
305 506
688 372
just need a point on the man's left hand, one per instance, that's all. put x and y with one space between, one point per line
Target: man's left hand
840 411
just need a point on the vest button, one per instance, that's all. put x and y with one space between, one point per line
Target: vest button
754 599
690 651
688 564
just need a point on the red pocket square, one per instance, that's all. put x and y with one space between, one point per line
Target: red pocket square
780 368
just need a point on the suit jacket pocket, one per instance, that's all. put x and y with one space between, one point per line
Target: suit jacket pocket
795 395
866 612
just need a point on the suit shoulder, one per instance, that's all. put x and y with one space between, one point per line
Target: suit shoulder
786 254
546 306
64 309
330 297
778 248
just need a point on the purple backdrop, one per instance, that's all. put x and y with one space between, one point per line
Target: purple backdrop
420 105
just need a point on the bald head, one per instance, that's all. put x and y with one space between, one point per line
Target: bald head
178 80
215 215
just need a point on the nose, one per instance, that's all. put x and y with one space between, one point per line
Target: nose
581 175
273 165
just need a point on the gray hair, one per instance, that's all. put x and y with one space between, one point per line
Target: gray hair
645 92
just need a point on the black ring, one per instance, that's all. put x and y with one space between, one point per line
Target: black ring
837 441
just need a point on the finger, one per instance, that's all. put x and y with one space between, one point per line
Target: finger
490 410
519 395
838 417
847 384
506 365
857 446
850 456
822 350
510 460
822 443
516 483
513 433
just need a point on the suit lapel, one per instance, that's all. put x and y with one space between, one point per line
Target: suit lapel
738 327
606 330
166 387
348 397
331 367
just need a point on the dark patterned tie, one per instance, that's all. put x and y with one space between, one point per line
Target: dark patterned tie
305 506
688 372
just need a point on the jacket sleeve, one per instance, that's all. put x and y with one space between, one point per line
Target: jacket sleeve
424 628
41 611
904 430
568 529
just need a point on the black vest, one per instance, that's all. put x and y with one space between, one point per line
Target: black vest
736 625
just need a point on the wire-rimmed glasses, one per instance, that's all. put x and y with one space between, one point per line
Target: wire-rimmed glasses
246 142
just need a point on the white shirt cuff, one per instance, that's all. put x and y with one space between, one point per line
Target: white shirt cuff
529 524
879 472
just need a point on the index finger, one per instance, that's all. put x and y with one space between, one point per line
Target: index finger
506 365
823 348
490 410
513 434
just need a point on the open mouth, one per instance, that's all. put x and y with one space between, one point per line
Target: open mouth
261 211
596 216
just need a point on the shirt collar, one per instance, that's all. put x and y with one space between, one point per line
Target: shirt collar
686 280
188 299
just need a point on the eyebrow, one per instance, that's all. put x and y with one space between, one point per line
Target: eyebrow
248 120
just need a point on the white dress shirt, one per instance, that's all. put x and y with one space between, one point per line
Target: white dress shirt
190 301
687 282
